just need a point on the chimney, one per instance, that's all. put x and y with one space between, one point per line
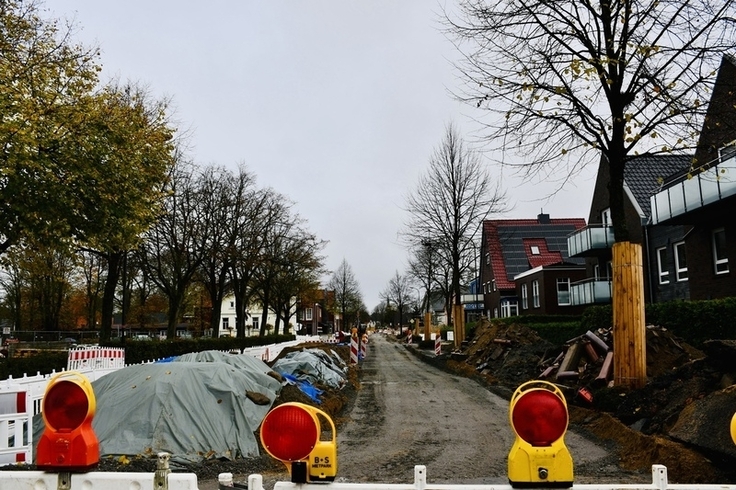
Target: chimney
543 219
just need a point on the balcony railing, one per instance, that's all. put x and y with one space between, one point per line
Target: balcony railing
589 239
694 190
590 291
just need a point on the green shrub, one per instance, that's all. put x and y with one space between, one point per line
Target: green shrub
595 317
40 364
695 321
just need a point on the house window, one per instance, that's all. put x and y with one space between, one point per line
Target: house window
535 293
225 322
662 269
232 304
255 323
524 299
493 284
720 258
509 308
488 259
563 290
535 250
606 217
680 261
308 314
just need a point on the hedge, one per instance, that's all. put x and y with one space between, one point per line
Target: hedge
136 351
693 321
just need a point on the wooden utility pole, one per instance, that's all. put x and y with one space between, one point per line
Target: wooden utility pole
629 330
458 323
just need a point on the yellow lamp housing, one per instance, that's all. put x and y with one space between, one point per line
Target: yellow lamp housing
539 458
292 433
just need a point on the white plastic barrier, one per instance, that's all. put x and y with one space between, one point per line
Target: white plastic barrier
159 479
659 482
82 358
13 480
270 352
16 441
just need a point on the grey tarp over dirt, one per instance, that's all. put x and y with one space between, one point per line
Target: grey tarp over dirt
314 366
193 410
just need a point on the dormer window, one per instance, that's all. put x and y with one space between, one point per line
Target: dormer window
535 250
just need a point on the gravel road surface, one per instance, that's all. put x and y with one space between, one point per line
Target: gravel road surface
408 413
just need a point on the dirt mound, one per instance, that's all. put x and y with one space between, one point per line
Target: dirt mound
507 354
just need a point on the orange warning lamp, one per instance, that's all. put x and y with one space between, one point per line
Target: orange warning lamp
68 442
539 418
292 433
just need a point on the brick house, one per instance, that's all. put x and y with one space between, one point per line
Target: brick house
526 268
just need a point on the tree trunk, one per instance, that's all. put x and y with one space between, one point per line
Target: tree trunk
108 297
175 301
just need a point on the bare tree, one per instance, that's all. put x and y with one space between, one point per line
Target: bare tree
450 203
173 246
568 77
398 292
348 298
220 205
296 267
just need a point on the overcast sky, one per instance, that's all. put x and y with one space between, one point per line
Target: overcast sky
337 104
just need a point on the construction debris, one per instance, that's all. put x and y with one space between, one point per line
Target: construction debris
515 354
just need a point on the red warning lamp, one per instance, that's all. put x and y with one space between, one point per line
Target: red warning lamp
289 433
292 433
68 442
539 418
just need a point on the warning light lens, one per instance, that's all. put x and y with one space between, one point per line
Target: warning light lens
289 433
65 406
539 417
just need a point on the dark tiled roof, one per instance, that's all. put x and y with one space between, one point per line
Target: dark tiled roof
643 175
509 243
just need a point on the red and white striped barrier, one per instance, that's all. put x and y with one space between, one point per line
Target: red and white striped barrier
95 357
15 427
362 349
353 350
438 345
408 337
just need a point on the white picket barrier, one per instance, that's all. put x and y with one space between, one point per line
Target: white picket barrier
16 440
659 482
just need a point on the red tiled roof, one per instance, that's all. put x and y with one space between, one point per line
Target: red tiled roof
544 257
555 228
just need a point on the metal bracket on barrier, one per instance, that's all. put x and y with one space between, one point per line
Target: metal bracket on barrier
160 478
64 481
